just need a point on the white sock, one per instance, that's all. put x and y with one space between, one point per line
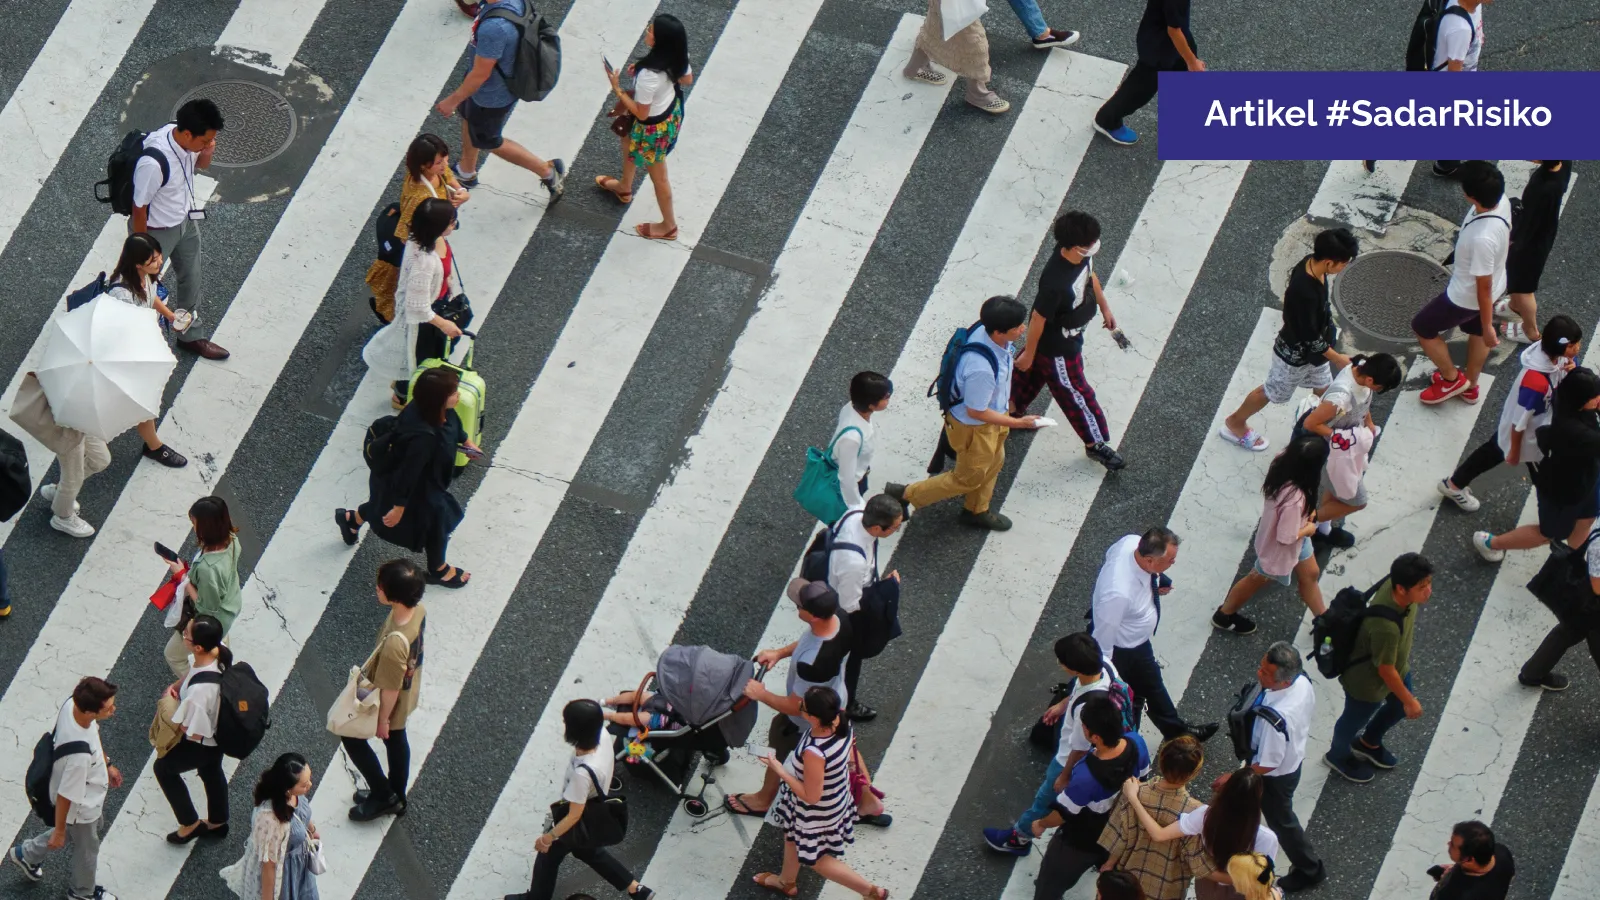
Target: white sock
1324 527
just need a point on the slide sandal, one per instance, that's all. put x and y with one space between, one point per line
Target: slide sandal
1252 439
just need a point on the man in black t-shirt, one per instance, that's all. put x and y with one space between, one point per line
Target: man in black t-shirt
1165 45
1303 355
1053 354
1483 868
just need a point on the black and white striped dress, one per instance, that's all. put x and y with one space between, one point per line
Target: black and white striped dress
829 825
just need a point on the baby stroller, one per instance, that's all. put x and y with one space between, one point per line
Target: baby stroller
697 707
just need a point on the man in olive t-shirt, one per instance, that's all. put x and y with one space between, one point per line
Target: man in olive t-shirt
395 671
1377 685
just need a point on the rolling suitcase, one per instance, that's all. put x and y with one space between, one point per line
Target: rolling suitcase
473 390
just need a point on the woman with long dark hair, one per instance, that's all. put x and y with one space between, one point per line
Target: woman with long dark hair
1567 477
1531 241
199 703
1229 825
1283 536
427 273
276 864
428 177
1114 885
656 110
588 778
211 587
134 281
409 501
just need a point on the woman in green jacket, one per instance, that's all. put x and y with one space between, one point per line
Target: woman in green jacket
212 586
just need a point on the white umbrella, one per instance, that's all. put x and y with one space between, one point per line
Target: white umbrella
105 366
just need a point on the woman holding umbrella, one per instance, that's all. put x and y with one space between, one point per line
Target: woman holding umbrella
134 282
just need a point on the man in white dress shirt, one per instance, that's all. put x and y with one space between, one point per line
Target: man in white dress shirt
1125 615
1278 755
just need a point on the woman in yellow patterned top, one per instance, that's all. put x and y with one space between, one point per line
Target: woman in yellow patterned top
428 176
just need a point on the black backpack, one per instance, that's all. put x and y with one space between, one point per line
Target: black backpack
390 248
1333 634
1425 34
378 441
538 66
16 486
1242 721
944 386
119 171
815 565
37 782
877 622
244 715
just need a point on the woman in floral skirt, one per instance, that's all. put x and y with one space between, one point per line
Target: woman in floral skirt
656 107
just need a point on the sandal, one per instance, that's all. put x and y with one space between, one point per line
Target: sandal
776 884
610 185
876 820
743 808
1250 440
1513 331
458 578
349 528
876 893
1502 309
647 230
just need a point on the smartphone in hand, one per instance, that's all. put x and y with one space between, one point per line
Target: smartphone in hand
471 452
607 63
165 553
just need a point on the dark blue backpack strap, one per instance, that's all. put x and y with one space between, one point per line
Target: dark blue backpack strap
161 160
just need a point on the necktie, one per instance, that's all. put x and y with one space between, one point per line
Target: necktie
1155 597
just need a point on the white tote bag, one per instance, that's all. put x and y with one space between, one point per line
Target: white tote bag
958 14
317 863
354 713
388 351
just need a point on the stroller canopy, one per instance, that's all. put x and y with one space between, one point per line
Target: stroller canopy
702 684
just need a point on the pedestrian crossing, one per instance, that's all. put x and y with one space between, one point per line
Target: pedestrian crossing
978 610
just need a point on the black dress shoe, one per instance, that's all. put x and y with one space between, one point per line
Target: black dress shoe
215 833
1203 733
179 838
860 712
204 348
1299 880
376 807
167 456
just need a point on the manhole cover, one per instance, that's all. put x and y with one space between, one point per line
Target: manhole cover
1379 292
259 124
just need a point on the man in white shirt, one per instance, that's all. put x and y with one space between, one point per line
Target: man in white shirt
166 207
852 573
1477 280
78 783
1125 614
1456 47
1278 756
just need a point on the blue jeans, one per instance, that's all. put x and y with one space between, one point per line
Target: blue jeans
1377 718
1041 800
1032 19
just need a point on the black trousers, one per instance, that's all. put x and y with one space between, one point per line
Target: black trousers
1142 674
1561 638
1277 811
852 665
192 756
366 762
1137 89
1063 865
1482 460
548 864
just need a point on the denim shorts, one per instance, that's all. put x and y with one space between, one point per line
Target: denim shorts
1285 580
1442 314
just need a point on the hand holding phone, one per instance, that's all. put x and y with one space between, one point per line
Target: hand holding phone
471 452
607 63
165 553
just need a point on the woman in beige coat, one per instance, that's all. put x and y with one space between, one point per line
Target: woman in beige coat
80 455
965 53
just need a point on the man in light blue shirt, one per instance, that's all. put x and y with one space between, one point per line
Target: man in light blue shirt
486 101
977 425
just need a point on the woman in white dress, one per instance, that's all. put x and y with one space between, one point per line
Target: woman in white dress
427 275
281 858
134 281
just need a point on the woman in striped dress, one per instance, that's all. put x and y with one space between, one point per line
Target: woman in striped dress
813 807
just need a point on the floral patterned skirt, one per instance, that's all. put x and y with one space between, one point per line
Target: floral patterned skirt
650 143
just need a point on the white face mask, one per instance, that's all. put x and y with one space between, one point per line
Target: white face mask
1090 250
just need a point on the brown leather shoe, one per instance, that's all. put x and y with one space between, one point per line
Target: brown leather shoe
203 348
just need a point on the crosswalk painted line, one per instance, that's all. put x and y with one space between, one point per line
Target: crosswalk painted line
1580 873
298 570
268 33
1350 195
1000 603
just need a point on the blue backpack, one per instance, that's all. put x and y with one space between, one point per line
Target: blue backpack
960 344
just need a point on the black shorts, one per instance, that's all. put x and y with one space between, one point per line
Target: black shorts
486 124
1558 516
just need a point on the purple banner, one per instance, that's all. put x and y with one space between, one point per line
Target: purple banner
1379 115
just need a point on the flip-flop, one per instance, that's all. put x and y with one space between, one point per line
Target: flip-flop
601 182
728 801
1252 440
644 231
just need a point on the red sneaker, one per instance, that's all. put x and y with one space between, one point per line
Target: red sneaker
1440 390
1470 394
470 9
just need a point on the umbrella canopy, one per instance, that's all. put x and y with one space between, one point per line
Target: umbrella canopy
104 367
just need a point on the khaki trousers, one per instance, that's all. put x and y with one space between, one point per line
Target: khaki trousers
980 452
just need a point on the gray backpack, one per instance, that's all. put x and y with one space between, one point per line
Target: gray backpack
538 63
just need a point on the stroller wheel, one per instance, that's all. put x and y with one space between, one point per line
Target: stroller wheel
696 809
718 757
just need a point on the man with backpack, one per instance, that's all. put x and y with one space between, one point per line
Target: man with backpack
1477 280
974 388
1452 38
509 41
1376 651
1080 657
166 207
1278 722
1069 295
74 779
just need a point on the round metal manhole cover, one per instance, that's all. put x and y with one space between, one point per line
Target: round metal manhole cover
1379 292
258 122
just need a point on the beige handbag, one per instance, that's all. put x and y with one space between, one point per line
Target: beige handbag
164 733
354 713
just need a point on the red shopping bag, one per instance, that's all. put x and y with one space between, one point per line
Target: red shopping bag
162 598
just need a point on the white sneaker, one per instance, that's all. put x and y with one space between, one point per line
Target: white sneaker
48 492
1480 543
74 526
1462 497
